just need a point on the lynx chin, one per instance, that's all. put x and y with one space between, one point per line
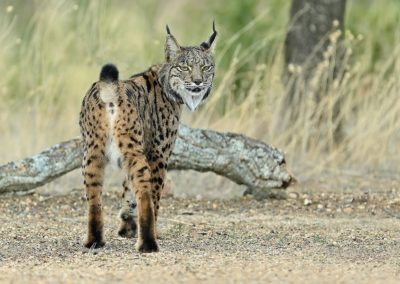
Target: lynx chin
133 124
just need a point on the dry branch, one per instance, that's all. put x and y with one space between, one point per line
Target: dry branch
239 158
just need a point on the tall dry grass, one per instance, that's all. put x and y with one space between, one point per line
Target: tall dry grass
52 51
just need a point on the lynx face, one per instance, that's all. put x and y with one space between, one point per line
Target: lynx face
189 71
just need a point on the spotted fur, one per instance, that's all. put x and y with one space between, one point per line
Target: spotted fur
133 124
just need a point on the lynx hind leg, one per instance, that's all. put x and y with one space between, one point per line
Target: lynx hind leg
137 168
158 177
139 177
128 213
93 174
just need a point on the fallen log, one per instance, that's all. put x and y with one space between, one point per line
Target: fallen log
237 157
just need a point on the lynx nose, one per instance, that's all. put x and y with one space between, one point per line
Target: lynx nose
197 82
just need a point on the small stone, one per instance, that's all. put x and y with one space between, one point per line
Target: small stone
293 195
361 207
348 210
307 202
348 200
320 206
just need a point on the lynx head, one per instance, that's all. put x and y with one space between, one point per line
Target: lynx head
189 71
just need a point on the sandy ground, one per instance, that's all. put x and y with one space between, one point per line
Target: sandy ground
351 235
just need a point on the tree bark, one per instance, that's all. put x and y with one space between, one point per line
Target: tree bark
310 35
311 21
239 158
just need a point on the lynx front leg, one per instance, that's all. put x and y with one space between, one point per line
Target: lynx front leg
128 213
93 173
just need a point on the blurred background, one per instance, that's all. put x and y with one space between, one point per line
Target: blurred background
52 51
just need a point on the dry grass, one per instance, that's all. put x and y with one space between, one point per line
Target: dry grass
50 57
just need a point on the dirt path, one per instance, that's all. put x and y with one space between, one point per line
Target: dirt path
337 238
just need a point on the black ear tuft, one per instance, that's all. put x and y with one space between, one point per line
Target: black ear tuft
207 44
168 31
213 36
109 73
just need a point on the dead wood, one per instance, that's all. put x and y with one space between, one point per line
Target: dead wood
237 157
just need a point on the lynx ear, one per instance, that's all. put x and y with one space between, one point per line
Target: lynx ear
172 47
209 45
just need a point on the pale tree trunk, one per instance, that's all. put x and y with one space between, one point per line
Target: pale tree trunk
243 160
310 32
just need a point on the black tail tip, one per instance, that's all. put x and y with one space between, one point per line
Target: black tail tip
109 73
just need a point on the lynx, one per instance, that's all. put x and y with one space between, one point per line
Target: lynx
133 124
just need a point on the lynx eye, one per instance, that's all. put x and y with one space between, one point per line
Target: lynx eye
206 68
183 68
